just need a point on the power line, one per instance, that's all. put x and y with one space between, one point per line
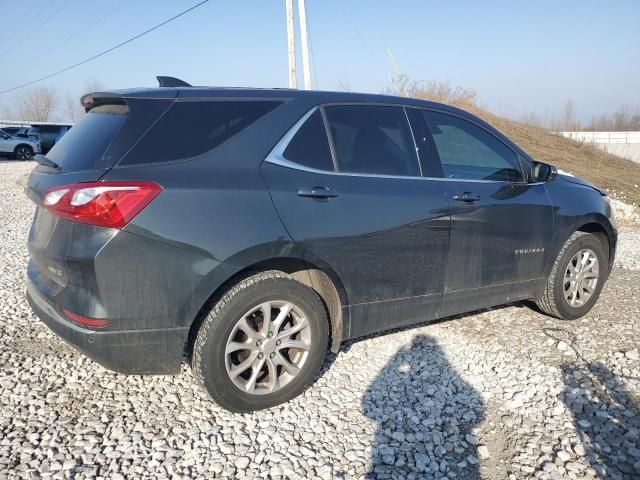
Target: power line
45 21
105 51
313 58
18 23
82 30
364 42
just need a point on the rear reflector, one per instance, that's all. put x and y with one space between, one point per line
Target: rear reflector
85 321
104 204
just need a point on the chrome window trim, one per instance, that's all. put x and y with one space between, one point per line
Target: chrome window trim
283 162
413 138
277 152
276 155
332 146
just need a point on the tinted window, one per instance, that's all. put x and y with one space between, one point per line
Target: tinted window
469 152
188 129
84 144
424 143
372 139
50 128
310 146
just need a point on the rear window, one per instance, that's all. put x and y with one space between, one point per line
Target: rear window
83 146
188 129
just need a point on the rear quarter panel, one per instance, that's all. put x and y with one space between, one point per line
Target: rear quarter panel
215 207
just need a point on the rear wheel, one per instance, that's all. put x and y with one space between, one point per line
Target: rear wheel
262 343
576 279
23 152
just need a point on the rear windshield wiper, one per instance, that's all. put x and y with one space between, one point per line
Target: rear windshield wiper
47 162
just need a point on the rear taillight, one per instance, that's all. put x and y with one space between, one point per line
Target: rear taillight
105 204
85 321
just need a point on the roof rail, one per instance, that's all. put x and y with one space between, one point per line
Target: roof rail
171 82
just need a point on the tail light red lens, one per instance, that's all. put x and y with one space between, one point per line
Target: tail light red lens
110 204
85 321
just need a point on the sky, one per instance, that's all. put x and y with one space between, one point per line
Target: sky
520 57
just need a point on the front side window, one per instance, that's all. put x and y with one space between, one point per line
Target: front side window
467 151
309 146
372 139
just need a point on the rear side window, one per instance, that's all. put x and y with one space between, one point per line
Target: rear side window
309 146
372 139
469 152
83 146
188 129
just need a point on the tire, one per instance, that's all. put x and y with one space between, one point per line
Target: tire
22 152
554 301
230 323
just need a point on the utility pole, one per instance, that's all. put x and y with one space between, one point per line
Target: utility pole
305 45
291 41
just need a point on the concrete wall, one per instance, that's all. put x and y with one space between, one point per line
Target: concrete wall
28 123
622 144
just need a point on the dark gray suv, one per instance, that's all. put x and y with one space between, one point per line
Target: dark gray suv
249 230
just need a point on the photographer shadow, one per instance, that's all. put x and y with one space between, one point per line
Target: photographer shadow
425 415
606 417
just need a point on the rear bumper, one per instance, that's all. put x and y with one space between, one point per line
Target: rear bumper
133 352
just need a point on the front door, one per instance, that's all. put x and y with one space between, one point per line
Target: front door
501 226
365 211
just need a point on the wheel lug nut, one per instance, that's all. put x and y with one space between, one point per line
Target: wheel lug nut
258 343
272 355
261 355
278 342
270 334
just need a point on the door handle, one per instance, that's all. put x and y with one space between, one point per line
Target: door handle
317 192
467 197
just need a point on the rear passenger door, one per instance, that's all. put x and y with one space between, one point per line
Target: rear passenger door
347 184
501 226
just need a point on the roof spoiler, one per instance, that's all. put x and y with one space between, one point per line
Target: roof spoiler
171 82
91 100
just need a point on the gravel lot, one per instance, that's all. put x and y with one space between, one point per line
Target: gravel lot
505 393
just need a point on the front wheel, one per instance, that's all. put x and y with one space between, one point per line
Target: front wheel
23 152
262 343
576 279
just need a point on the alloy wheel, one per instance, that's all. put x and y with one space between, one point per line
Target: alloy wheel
23 153
268 347
581 277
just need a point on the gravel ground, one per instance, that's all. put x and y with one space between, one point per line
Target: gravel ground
504 393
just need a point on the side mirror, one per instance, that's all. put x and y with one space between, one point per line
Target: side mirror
543 172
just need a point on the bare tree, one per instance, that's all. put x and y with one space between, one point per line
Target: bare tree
38 105
343 85
401 84
626 118
569 122
442 92
74 110
93 85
